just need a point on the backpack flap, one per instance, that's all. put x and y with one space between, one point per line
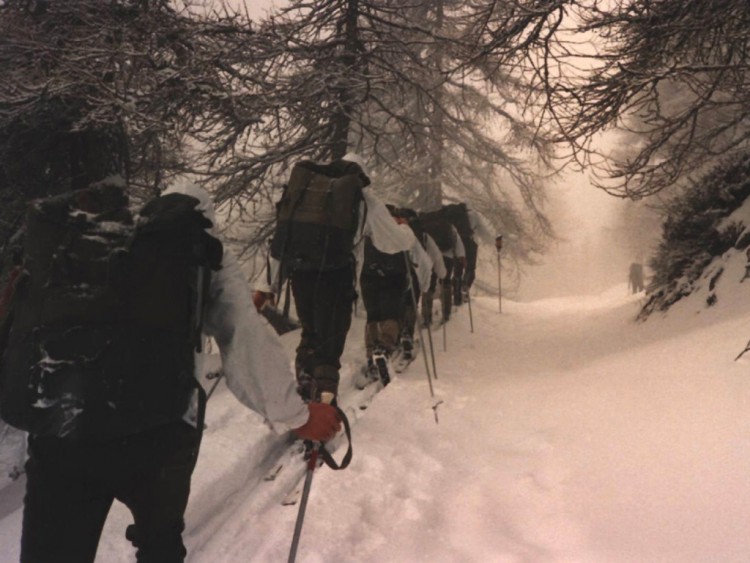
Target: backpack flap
317 217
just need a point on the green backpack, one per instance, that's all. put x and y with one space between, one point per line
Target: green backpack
317 216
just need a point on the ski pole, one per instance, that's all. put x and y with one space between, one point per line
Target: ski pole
432 351
311 463
471 317
747 348
318 450
445 338
419 328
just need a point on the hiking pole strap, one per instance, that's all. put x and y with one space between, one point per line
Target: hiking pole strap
217 376
328 458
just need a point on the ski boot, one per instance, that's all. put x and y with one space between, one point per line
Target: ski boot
380 358
407 347
368 374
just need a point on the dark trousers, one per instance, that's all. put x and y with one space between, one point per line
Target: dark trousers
324 303
71 486
383 297
446 295
458 280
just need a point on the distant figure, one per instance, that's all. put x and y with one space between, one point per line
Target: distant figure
635 278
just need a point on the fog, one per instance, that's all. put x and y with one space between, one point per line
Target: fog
594 248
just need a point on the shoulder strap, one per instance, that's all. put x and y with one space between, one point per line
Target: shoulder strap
363 202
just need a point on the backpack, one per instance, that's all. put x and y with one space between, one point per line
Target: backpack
317 216
458 216
415 224
377 263
435 224
106 315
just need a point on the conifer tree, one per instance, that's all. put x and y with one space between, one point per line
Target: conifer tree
98 87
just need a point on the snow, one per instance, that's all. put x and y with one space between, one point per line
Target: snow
568 433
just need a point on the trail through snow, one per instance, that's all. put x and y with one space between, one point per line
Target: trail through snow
568 433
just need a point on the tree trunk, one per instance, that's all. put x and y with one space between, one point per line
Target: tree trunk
341 120
435 194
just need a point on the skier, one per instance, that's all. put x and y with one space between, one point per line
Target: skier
384 280
448 240
137 440
408 322
479 231
470 228
635 278
322 255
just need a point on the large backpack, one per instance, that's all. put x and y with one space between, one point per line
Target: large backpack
317 216
436 225
106 315
458 216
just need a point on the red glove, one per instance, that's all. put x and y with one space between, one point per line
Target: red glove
260 298
322 425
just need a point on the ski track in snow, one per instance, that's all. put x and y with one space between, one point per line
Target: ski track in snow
568 433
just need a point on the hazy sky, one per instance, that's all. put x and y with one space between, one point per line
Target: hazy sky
256 8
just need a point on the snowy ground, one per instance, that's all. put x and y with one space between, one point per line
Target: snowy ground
567 433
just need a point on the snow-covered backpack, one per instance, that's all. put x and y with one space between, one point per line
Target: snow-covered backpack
106 314
317 216
437 226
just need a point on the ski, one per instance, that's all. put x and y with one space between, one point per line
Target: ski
295 493
362 380
271 475
284 469
402 363
293 496
401 360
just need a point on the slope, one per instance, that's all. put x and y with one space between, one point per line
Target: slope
567 433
